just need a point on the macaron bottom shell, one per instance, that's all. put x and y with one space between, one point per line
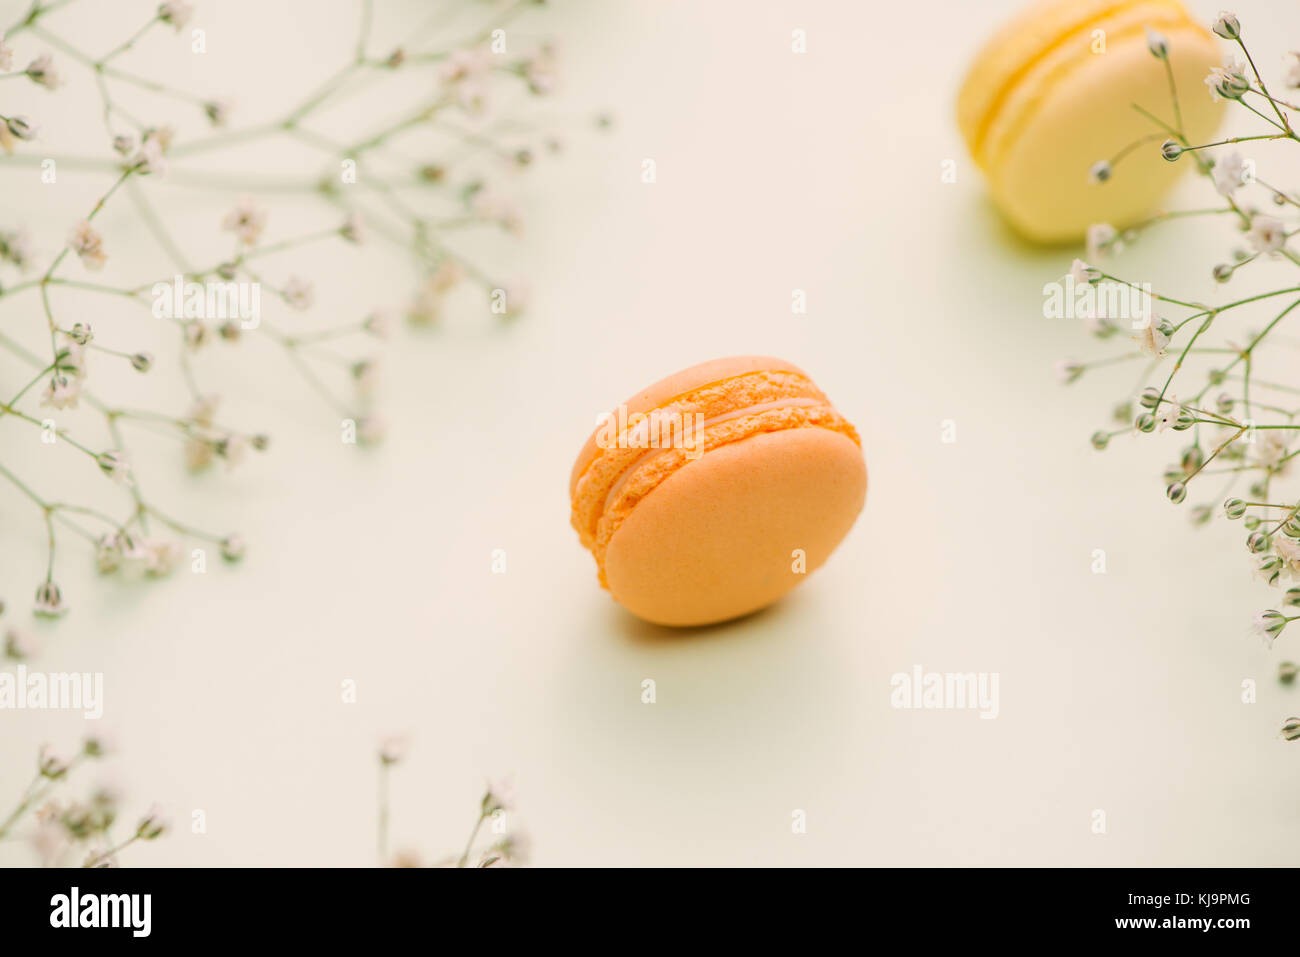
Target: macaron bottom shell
736 529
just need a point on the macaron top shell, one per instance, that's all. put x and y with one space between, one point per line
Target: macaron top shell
1053 92
655 515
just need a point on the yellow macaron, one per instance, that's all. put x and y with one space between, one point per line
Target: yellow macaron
1053 92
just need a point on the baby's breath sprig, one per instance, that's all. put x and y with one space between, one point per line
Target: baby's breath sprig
506 847
1243 424
421 213
74 832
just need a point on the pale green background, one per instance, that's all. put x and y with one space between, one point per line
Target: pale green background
775 172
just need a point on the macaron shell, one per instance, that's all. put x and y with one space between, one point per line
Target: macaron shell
1040 151
717 539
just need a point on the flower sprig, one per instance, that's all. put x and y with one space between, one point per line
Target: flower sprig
1202 374
420 213
75 831
505 847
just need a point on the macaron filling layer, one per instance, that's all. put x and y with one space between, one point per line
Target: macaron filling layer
622 454
694 451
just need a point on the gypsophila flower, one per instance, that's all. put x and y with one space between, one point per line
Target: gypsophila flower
149 161
88 244
1289 551
50 764
217 112
176 12
353 229
1227 82
246 220
109 553
1102 240
1291 66
232 548
1081 272
1267 233
380 324
1151 341
61 392
1166 413
1227 26
19 646
1267 625
393 749
298 293
1228 173
1157 44
1068 370
366 376
142 362
21 128
16 248
6 55
196 335
370 430
152 825
42 72
115 465
539 71
463 66
49 601
494 208
124 144
498 796
81 334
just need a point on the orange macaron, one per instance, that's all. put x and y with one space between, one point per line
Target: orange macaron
715 491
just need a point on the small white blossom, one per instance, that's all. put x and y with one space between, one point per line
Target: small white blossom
1151 341
175 12
1267 625
1067 370
1081 272
50 763
1288 549
1267 233
1101 241
1291 69
353 229
393 749
1227 81
1228 173
464 65
217 112
61 392
246 220
114 464
88 244
380 324
42 72
49 601
150 158
298 293
1166 413
159 557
